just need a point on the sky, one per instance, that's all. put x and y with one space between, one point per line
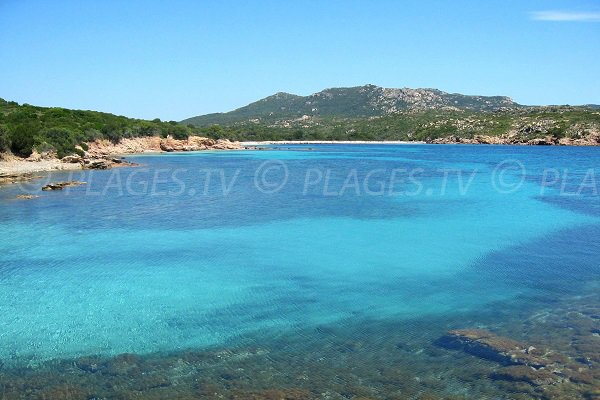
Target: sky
177 59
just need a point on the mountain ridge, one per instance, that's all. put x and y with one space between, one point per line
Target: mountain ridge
353 102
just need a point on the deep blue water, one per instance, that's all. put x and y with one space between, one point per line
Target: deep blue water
282 242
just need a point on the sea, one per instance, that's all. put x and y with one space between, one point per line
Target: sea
304 271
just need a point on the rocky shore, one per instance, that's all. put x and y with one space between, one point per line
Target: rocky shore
284 142
102 154
14 169
591 139
105 148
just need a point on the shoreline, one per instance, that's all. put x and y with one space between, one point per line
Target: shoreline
103 154
592 140
14 171
278 142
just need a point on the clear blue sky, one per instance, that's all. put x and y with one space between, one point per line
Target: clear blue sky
177 59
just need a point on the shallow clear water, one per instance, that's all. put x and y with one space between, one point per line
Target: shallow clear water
160 259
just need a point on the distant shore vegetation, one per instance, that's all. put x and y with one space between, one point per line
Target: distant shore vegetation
25 128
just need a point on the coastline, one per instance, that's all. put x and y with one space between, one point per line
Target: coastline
16 167
19 170
103 154
278 142
592 139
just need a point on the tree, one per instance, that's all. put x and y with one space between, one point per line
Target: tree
179 132
4 140
111 131
213 131
22 139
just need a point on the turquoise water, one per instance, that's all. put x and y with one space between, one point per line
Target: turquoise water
143 261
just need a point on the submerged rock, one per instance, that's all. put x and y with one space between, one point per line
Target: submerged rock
89 364
274 394
523 373
554 374
26 196
16 178
487 345
61 185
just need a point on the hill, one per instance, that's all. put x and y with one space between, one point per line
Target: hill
24 128
375 113
353 102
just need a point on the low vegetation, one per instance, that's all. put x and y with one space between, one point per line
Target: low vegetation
526 123
25 128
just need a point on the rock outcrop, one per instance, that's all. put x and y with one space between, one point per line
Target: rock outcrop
477 139
104 148
591 139
103 162
46 155
72 159
101 153
513 139
537 133
61 185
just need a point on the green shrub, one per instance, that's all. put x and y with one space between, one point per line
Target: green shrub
4 140
22 139
179 132
111 132
92 134
63 140
84 146
79 152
